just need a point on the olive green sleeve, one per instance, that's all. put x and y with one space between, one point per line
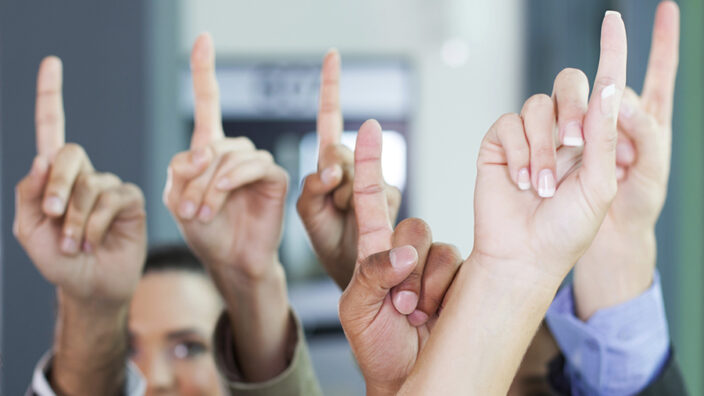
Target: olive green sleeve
298 378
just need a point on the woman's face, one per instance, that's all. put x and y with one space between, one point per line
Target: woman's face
172 318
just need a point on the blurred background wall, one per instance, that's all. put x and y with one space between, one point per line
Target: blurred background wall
462 65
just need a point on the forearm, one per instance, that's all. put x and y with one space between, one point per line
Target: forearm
483 332
90 348
618 267
259 314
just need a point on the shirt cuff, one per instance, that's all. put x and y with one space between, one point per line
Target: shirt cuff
135 385
619 350
297 379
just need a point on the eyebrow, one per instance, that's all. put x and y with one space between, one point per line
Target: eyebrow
184 333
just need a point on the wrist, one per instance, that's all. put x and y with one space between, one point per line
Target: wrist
618 267
260 319
539 275
89 332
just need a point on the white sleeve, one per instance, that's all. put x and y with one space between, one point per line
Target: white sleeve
135 383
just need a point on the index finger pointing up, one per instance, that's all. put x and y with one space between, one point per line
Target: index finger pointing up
659 85
371 209
600 133
208 121
49 111
329 123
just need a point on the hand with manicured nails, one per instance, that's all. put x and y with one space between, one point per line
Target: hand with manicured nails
548 231
84 230
527 239
400 278
228 199
620 263
325 204
86 233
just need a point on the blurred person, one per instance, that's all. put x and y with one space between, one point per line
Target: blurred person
85 232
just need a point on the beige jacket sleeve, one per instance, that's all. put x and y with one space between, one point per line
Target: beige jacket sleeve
298 378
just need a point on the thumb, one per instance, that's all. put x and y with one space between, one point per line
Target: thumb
372 282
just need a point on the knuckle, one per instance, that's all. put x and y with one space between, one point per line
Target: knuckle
265 155
133 191
73 150
413 226
537 101
507 121
571 74
446 254
244 141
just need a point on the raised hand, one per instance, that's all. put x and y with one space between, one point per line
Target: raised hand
620 263
228 199
525 241
551 234
399 282
84 230
325 204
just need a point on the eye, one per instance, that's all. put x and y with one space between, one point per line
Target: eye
188 349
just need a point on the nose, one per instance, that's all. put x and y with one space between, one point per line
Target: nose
159 375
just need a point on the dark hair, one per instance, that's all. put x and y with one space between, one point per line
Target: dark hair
172 258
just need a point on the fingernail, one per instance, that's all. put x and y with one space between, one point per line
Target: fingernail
608 100
329 174
523 179
54 205
87 247
625 153
69 245
224 184
187 209
402 257
612 12
205 213
546 183
573 134
417 318
406 302
200 156
626 110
